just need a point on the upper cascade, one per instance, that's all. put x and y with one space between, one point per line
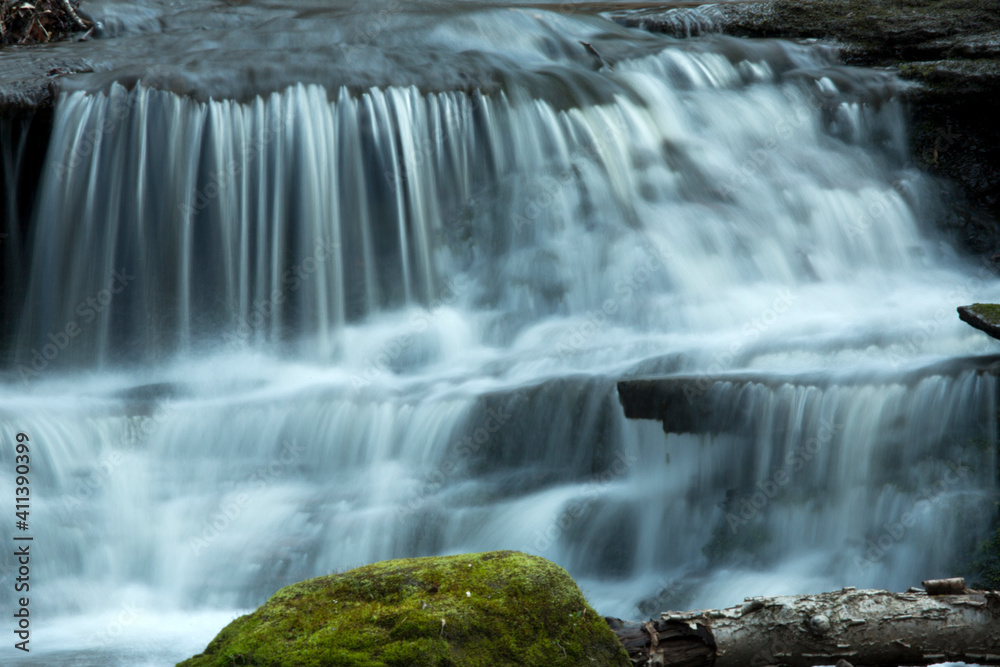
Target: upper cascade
167 224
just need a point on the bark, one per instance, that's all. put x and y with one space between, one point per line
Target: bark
591 7
677 642
872 628
954 586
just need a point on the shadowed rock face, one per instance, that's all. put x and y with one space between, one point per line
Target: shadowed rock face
884 32
240 50
950 48
982 316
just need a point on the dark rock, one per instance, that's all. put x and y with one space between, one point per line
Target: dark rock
982 316
707 404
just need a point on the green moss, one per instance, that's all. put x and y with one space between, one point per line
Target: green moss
497 608
990 312
920 70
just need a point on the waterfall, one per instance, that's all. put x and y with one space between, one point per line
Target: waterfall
265 340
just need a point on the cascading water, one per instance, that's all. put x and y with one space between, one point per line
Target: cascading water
263 340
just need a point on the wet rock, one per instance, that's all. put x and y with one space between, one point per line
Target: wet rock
949 48
982 316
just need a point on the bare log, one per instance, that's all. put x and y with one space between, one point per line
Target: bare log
954 586
868 627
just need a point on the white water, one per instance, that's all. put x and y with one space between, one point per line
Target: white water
441 376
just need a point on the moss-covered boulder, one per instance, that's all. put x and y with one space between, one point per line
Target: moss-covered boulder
496 608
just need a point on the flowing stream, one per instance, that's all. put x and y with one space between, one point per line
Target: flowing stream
277 321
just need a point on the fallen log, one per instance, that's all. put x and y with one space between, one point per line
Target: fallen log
868 627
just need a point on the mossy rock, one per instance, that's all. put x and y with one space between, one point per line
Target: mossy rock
496 608
982 316
989 312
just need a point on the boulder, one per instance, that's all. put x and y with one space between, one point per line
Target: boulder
496 608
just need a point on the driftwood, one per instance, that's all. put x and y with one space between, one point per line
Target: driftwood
847 627
39 21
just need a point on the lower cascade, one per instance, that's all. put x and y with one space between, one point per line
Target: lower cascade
257 341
